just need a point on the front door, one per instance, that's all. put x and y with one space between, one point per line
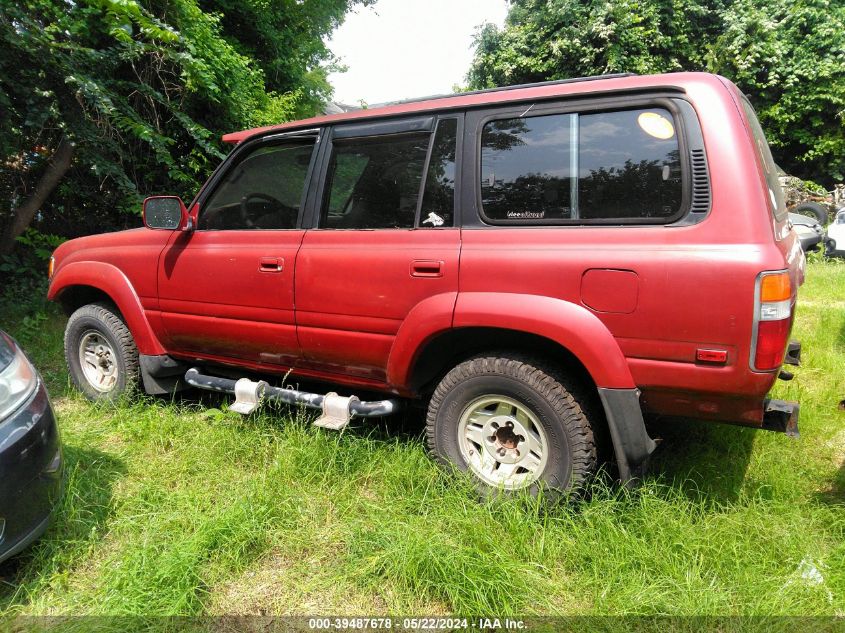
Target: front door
226 289
384 241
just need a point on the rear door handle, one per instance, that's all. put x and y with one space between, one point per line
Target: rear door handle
426 268
271 265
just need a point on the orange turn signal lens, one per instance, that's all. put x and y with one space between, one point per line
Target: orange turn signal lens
775 287
50 267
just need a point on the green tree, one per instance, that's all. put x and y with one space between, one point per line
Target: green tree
287 41
789 56
105 101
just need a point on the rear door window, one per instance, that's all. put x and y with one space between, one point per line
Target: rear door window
374 183
392 181
581 168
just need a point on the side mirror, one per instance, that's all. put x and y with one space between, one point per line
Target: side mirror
166 212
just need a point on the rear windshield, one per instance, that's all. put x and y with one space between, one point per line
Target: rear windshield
776 202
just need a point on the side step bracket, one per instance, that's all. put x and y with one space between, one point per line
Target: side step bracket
336 411
248 395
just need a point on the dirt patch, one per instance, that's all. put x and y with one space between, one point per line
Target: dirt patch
283 585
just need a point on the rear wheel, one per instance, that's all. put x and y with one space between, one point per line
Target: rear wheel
101 355
512 423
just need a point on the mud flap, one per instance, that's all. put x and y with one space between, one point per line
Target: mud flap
161 374
631 443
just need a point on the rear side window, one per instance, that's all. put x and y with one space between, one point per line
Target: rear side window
764 154
374 183
580 168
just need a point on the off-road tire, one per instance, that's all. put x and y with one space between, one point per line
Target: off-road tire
572 457
103 320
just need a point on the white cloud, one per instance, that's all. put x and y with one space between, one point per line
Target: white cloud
401 49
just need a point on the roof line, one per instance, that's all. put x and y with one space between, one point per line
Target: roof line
535 84
475 98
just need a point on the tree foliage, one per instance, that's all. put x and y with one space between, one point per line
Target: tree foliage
287 43
788 56
111 100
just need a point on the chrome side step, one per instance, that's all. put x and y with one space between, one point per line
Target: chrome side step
337 410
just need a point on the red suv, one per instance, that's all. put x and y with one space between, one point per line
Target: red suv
540 264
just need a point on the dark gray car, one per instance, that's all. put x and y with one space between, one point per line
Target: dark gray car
30 452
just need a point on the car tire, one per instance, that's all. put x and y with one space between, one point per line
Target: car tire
512 423
830 248
101 355
812 210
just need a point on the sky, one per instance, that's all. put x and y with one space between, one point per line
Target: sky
401 49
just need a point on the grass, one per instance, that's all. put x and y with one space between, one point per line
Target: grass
183 508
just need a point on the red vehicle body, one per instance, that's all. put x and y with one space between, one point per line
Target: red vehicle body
665 309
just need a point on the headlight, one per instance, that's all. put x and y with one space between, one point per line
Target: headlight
17 382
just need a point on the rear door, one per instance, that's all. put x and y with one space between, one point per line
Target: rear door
226 289
383 239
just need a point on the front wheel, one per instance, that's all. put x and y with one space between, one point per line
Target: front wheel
512 423
101 355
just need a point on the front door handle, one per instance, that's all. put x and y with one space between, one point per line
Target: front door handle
426 268
271 265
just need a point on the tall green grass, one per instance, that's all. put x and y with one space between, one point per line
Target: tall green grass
183 508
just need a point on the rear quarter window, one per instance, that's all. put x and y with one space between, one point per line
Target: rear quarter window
582 168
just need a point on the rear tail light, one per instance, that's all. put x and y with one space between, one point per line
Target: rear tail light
772 320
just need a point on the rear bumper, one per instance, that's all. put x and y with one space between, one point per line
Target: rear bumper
749 407
31 465
811 238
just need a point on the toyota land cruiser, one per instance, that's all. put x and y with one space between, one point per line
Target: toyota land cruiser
540 264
